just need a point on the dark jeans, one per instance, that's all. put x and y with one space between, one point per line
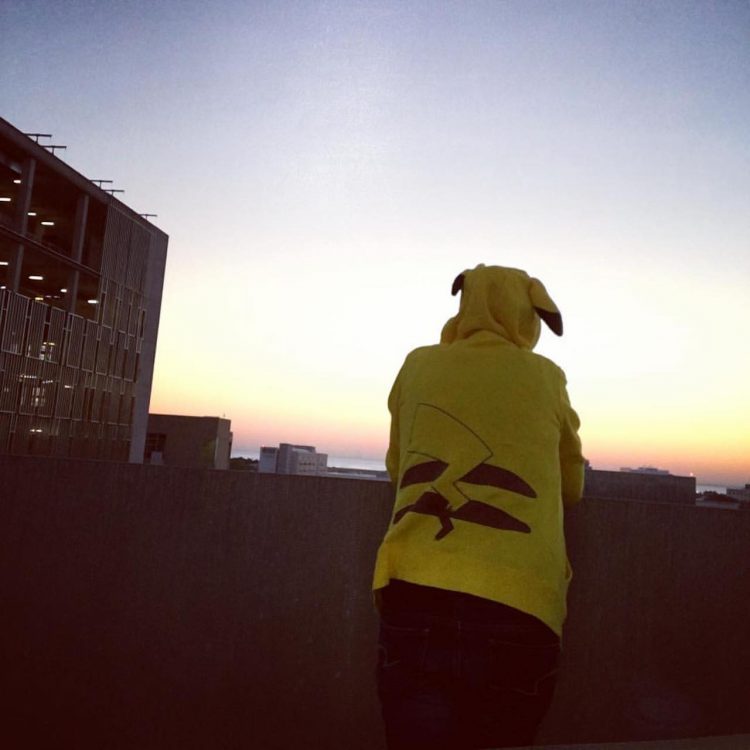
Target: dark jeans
456 671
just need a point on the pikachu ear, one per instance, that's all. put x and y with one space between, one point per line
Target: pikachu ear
545 307
458 284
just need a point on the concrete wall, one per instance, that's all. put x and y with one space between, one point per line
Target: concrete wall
153 607
154 284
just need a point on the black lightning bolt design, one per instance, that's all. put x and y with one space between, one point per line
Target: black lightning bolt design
439 428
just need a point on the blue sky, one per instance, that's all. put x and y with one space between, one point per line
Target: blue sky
324 169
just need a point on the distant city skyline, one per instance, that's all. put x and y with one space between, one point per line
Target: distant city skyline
371 463
324 170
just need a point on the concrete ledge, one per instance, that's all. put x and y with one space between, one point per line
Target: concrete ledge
724 742
152 607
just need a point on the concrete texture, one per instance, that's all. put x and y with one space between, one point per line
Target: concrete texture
732 742
200 442
152 292
155 607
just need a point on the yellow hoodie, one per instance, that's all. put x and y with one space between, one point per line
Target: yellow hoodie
484 452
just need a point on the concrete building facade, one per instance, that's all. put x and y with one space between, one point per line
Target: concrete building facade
200 442
267 459
292 459
81 278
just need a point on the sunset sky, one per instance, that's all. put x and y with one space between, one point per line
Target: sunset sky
325 169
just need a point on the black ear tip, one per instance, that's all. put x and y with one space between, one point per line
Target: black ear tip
458 284
552 319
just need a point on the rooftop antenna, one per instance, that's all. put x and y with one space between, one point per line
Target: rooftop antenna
149 216
112 191
52 148
37 136
99 183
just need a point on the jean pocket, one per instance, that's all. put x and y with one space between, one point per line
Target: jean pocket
402 645
526 669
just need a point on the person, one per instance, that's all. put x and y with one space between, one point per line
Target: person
471 577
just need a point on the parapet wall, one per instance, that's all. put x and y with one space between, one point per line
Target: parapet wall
155 607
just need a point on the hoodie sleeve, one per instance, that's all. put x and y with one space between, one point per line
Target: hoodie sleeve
394 446
571 458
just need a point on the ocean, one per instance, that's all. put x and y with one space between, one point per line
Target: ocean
711 488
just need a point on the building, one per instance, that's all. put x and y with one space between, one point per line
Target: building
717 500
646 470
740 493
349 473
300 459
267 460
200 442
653 486
81 279
292 459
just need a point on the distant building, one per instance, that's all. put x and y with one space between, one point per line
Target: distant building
200 442
300 459
292 459
81 278
652 486
742 494
267 460
349 473
717 500
646 470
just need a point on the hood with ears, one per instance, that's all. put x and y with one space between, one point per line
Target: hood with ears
505 301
